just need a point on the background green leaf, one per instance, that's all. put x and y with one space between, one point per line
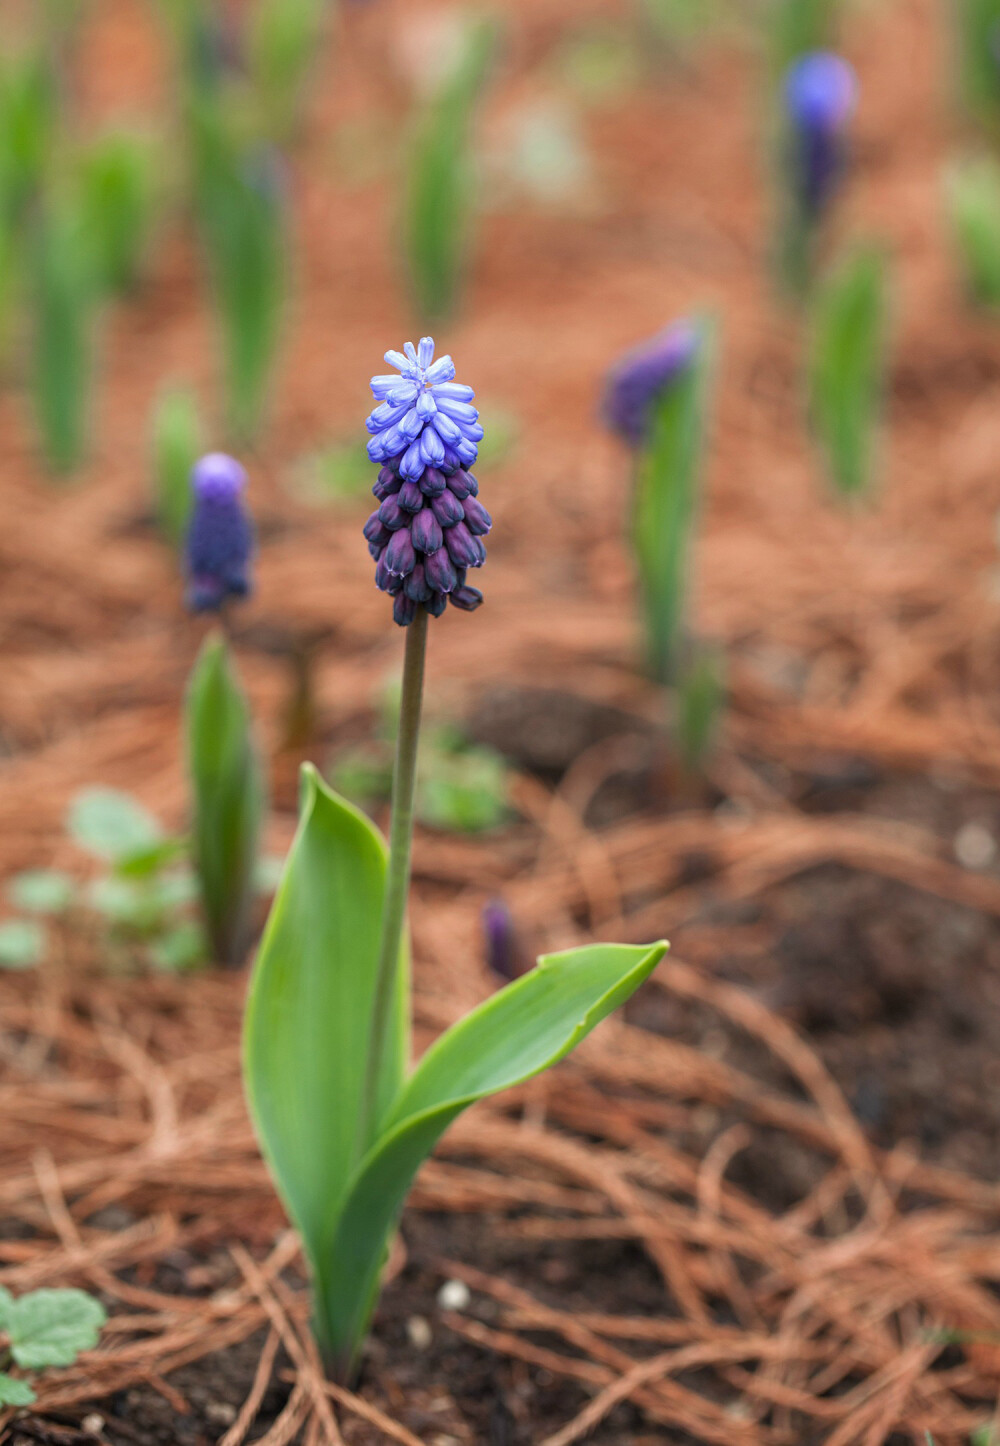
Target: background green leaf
42 891
22 943
227 798
519 1032
51 1327
974 207
309 1012
437 214
847 366
666 509
177 444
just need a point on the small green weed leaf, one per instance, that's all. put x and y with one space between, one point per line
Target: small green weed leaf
112 824
42 891
14 1392
516 1034
180 948
52 1327
22 943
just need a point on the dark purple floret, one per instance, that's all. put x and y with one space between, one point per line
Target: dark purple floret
428 528
820 95
643 374
220 539
447 509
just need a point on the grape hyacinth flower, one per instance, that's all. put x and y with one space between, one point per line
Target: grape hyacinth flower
220 537
642 375
821 92
428 529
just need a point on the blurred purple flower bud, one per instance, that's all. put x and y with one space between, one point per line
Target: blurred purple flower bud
416 585
821 92
220 538
500 941
640 378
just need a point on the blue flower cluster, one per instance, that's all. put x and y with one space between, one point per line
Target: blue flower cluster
643 374
428 529
220 537
821 92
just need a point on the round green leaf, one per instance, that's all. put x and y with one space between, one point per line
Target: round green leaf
112 824
14 1392
22 944
52 1327
42 891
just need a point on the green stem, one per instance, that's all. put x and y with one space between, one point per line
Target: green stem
397 882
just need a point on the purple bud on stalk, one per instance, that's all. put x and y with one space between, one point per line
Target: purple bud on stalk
821 92
500 941
220 538
639 379
424 433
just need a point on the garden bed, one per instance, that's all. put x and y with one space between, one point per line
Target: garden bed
752 1211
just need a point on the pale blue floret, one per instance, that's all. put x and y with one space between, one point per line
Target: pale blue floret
424 418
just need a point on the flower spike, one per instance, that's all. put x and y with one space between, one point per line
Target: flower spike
425 434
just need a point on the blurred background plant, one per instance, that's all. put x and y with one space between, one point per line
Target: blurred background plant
846 368
462 787
439 187
973 198
977 24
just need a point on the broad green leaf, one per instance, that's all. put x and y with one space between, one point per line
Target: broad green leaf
227 798
112 824
22 943
176 446
14 1392
847 367
42 891
309 1011
52 1327
438 196
516 1034
666 509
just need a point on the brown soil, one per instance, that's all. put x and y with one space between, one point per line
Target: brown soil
749 1213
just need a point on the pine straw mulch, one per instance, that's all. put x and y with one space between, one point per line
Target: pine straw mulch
826 1317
